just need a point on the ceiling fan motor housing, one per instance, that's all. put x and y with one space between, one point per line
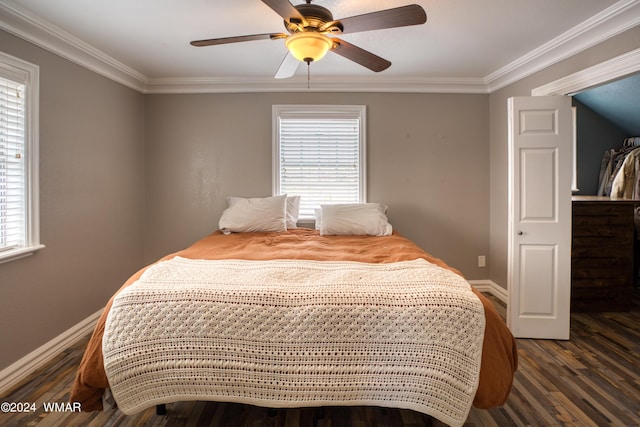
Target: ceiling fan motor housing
316 17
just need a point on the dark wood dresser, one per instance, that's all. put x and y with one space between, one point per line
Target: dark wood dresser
602 254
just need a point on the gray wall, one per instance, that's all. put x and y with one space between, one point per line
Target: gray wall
428 160
91 203
625 42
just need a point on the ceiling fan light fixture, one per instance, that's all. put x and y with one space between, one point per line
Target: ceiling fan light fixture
308 46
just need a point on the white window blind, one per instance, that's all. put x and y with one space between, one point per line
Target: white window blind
319 154
12 203
19 220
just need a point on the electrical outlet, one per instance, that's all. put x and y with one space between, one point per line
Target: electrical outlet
482 261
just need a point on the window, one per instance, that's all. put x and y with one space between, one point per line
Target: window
19 233
319 154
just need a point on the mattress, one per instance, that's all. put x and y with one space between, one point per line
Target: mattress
498 351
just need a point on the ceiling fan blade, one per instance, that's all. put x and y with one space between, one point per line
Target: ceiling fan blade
402 16
236 39
286 10
360 56
288 67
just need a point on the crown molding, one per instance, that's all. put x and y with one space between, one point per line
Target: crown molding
621 16
614 20
23 24
316 84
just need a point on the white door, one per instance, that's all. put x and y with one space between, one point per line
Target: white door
539 247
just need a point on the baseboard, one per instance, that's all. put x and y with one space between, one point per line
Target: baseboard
14 374
491 287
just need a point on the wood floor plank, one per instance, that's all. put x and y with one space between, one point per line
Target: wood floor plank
591 380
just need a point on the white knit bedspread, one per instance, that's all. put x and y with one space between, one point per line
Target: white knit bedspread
290 333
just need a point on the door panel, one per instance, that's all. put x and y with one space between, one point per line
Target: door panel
540 159
538 271
538 190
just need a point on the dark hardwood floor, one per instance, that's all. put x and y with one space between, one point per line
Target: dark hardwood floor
591 380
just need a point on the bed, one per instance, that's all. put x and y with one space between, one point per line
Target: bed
342 323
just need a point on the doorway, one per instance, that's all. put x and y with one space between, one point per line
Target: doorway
614 69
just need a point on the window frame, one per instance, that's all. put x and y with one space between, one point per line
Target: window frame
319 112
16 69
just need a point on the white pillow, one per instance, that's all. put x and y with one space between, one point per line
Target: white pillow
318 215
254 214
293 211
354 219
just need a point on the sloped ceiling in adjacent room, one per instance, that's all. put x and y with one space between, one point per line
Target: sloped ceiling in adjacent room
618 102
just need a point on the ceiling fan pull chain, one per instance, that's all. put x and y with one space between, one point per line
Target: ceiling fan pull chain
308 73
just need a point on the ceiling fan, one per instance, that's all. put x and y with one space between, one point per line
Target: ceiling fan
309 24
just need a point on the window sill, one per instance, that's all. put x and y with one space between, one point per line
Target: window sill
13 254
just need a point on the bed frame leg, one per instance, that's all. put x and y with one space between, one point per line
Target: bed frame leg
161 409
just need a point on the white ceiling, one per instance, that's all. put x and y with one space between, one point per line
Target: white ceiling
466 45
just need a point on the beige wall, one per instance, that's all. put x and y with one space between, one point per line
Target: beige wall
428 160
91 203
625 42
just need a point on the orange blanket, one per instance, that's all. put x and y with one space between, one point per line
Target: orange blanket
499 353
